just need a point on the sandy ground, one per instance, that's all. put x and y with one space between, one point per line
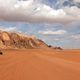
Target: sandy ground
37 64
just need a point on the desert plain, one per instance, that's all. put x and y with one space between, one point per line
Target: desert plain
40 64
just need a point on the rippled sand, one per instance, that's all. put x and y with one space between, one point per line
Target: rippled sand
39 64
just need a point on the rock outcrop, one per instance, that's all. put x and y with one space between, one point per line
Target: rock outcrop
56 48
19 41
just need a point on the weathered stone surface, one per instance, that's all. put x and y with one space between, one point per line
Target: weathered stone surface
19 41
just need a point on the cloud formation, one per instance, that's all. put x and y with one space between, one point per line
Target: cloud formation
36 11
76 0
76 37
10 29
49 32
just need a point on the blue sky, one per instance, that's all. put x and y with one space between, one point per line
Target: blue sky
53 21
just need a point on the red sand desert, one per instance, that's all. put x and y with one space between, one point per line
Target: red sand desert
40 64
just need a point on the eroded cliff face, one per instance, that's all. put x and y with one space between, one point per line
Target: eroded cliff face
19 41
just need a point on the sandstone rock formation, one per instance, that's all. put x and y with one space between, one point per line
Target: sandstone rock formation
19 41
57 48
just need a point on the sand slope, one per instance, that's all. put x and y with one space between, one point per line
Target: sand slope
38 64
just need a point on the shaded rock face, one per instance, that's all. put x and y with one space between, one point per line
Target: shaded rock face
18 41
57 48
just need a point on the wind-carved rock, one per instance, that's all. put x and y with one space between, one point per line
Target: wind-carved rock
19 41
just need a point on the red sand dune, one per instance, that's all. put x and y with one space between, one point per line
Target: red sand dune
40 64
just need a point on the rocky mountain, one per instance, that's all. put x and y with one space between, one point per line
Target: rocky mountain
11 40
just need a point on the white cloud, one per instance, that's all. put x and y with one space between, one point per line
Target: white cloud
76 37
76 0
73 11
35 11
49 32
10 29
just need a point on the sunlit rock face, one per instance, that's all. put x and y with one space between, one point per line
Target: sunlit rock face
19 41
